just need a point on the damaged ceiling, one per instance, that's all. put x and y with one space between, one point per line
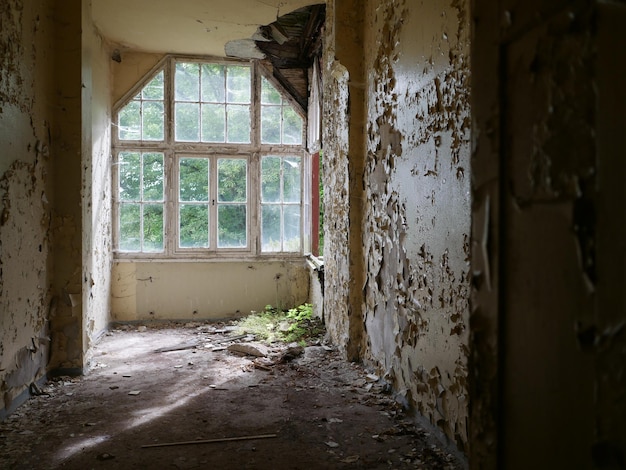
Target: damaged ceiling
285 32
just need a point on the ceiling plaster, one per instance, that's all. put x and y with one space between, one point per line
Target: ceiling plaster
186 26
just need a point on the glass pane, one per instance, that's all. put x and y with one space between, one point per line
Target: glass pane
193 179
238 124
291 228
130 227
269 94
213 83
154 89
291 179
153 227
152 176
194 226
238 84
213 120
187 122
270 124
292 126
270 230
270 179
187 82
130 176
231 180
152 125
231 226
129 122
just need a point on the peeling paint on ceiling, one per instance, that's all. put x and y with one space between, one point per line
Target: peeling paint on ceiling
189 27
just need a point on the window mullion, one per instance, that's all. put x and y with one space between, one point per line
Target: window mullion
213 203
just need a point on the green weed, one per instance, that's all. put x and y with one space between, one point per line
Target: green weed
275 325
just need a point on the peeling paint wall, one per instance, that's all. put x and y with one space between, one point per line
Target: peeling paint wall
417 205
548 256
96 153
336 130
26 74
145 290
400 181
67 319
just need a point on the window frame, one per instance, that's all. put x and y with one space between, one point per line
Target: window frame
173 150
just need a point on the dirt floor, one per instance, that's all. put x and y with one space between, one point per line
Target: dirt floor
171 385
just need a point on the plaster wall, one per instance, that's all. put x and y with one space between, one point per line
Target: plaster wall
200 290
417 208
397 149
337 127
96 190
26 127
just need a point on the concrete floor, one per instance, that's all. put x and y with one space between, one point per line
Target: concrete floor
312 412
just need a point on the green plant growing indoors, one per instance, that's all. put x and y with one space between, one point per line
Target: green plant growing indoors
275 325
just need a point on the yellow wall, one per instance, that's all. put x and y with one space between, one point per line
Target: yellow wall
204 290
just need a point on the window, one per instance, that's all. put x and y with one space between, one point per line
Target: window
280 203
209 162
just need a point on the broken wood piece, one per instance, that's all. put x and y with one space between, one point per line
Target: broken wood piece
180 347
228 338
210 441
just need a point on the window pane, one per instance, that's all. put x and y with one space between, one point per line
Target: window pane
154 89
187 122
269 94
193 179
213 83
292 127
270 179
152 176
291 179
213 118
231 226
291 230
130 227
152 125
153 227
270 124
130 176
129 122
270 220
187 82
238 124
238 84
231 180
194 226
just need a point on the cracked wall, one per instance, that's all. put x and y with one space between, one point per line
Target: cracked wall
25 212
400 181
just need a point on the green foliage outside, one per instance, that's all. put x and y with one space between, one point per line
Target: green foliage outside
212 104
276 325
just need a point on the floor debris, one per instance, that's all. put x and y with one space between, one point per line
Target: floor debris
324 411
